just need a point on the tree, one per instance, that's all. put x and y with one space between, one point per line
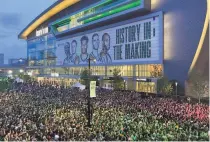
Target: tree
5 84
27 78
66 70
164 86
156 71
199 84
84 77
53 70
117 79
21 75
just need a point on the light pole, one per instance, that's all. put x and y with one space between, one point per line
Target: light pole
10 73
190 117
124 84
176 88
52 75
89 111
98 82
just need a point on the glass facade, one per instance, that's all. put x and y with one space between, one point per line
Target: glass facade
67 82
141 71
126 70
149 87
96 70
41 51
151 70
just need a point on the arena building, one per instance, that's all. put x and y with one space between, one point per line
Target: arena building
145 39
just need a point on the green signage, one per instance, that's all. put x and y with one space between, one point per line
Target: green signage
103 9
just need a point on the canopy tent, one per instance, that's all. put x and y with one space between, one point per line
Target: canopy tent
18 80
78 85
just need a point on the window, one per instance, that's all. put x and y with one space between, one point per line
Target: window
152 70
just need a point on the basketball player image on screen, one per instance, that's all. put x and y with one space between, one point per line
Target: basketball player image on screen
105 57
74 57
95 46
67 60
84 46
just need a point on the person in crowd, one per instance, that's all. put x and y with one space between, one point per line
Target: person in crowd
41 112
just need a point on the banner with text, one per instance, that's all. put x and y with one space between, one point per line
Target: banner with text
92 89
130 43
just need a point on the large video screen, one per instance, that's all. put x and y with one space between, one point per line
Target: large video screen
131 43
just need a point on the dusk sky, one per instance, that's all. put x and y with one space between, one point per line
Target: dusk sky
15 15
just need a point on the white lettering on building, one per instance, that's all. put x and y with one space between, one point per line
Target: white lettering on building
42 31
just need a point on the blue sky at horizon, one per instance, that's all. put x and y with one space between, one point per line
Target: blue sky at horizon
15 15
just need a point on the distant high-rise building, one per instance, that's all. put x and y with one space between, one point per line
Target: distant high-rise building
1 58
17 62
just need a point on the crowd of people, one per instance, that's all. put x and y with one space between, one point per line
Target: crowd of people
41 112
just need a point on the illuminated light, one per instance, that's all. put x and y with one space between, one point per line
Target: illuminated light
169 42
104 4
10 71
62 22
141 79
21 71
30 73
200 45
82 17
63 28
64 4
117 10
155 4
55 74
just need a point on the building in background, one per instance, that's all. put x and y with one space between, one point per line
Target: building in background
143 38
17 62
1 59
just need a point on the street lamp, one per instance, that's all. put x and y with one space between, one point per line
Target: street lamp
176 88
98 82
189 99
30 73
21 71
9 71
89 111
124 84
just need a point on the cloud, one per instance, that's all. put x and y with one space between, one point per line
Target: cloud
3 36
10 20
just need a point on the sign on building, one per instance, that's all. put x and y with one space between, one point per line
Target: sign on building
132 43
42 31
